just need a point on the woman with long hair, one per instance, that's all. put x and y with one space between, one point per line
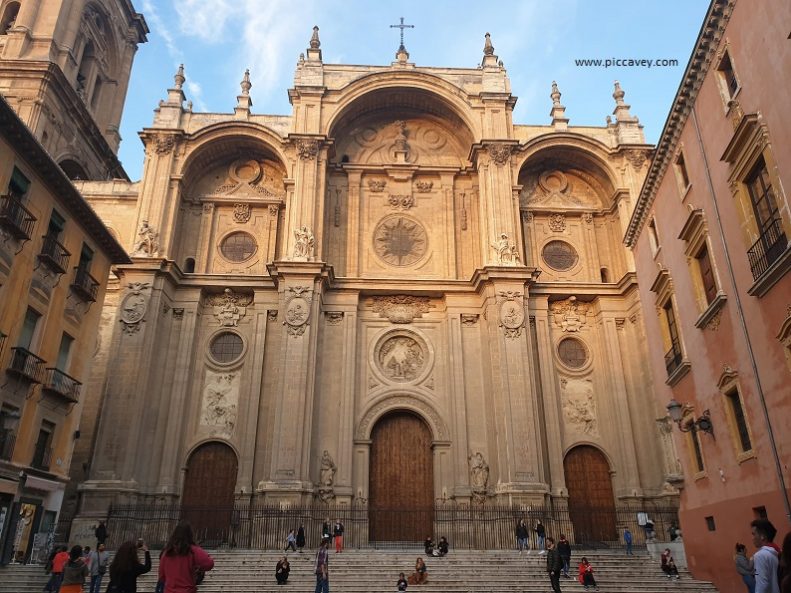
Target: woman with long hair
420 575
74 572
126 567
183 563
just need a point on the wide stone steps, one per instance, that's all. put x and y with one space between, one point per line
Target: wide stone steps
374 571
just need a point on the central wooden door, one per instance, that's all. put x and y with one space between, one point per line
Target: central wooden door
207 500
401 489
591 500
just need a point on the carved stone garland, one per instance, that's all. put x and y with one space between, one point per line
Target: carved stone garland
401 308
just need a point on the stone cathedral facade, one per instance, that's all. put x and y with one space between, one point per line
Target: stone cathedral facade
394 295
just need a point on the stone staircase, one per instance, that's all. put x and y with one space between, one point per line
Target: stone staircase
376 571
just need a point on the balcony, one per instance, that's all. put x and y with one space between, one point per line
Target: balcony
60 384
7 442
54 255
15 218
26 365
767 249
85 285
42 457
673 358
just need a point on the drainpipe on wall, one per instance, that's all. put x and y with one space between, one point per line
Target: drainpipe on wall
742 322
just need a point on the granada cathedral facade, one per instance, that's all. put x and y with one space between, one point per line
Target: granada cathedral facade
393 296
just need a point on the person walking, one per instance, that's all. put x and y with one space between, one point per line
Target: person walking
669 565
337 533
554 564
291 541
744 566
59 559
541 533
100 533
627 539
97 564
321 567
766 559
282 571
585 575
564 550
182 562
522 536
74 572
126 567
301 537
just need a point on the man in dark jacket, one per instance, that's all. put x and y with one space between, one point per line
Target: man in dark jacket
564 549
554 564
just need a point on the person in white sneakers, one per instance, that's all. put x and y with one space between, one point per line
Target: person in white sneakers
766 558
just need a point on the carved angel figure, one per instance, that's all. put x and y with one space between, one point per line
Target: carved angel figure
328 469
304 243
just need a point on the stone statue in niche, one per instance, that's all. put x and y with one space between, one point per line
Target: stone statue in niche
506 251
220 402
304 242
578 405
327 477
479 476
146 244
400 148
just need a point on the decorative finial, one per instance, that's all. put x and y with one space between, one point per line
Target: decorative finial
618 94
555 94
488 48
246 84
314 39
402 55
179 78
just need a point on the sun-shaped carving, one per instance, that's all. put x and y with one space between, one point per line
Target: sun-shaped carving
400 241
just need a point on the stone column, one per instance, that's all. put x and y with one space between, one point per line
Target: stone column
353 226
458 399
347 320
300 285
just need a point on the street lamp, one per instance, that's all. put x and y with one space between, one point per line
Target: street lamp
680 412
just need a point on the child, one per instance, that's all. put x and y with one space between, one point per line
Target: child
402 584
291 541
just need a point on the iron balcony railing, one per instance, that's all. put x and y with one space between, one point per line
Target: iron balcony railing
7 442
673 358
768 248
42 457
16 219
59 383
54 254
85 285
26 365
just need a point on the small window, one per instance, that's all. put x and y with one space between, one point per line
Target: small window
63 352
238 246
762 197
681 172
226 347
706 274
653 236
710 525
29 326
189 265
86 258
56 225
42 453
605 275
728 79
19 184
573 353
736 411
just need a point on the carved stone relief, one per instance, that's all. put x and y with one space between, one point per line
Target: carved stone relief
164 144
499 153
579 407
570 315
479 476
147 244
241 213
401 201
376 185
400 308
307 148
636 158
327 477
505 251
304 243
333 317
424 187
220 402
469 319
230 307
557 223
438 427
133 307
512 313
671 465
401 358
245 178
298 303
400 241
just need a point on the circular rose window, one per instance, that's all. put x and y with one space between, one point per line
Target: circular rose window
400 241
226 347
573 353
560 255
238 246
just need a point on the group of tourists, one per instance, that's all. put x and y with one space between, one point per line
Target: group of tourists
522 534
769 569
182 565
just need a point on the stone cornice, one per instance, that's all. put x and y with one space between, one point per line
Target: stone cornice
697 68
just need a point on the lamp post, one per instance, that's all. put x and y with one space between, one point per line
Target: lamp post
678 412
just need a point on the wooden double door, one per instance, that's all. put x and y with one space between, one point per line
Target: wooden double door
401 487
207 501
591 500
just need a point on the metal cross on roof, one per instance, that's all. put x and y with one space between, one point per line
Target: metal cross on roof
402 26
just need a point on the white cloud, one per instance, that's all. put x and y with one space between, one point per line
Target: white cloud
158 27
204 19
195 94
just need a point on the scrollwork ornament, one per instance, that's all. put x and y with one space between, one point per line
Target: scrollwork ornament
241 213
499 153
307 148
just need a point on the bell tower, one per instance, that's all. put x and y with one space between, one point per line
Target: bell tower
65 68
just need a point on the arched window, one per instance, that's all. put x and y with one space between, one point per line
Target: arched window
73 170
605 275
189 265
9 17
86 71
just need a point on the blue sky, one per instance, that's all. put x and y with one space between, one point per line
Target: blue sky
537 40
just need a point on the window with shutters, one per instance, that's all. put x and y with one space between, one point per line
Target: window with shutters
702 269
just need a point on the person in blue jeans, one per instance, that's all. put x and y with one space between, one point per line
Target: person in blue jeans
541 532
627 538
322 568
97 563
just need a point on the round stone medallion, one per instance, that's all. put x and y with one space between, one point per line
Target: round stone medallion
512 315
400 241
401 357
